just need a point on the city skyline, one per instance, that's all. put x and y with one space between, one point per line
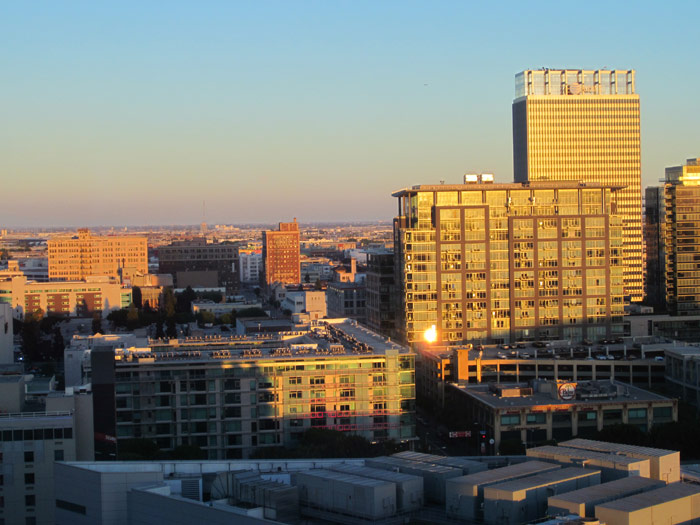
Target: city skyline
136 115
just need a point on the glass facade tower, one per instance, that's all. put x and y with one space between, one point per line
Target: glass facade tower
682 238
583 125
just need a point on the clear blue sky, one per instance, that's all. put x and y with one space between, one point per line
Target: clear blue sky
136 112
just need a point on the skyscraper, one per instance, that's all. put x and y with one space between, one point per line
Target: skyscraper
509 262
682 238
583 125
281 259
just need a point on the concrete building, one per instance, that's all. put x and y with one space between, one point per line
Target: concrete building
75 258
654 221
281 256
311 302
465 494
545 410
347 299
665 465
582 502
315 269
380 292
68 298
683 373
232 396
525 499
638 364
250 261
218 309
509 262
682 238
200 264
32 438
33 268
610 466
674 504
584 125
7 348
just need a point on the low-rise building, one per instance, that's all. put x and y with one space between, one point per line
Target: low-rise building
347 299
251 264
312 302
539 411
69 298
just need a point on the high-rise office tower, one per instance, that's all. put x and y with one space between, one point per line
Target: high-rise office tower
583 125
682 238
654 218
281 259
508 262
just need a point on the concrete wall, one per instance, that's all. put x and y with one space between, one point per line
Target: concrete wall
103 495
150 508
6 335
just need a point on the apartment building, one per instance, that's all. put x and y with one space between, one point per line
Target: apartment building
682 238
67 298
232 396
484 262
281 254
74 258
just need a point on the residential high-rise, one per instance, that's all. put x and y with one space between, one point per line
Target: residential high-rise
682 238
281 258
583 125
73 258
654 218
380 290
508 262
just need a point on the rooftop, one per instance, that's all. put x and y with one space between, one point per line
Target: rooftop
598 392
654 497
532 185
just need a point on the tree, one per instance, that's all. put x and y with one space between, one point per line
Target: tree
171 328
307 278
160 334
132 317
137 297
96 323
58 344
184 300
169 303
4 254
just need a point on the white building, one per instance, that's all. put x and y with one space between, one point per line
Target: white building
251 263
312 302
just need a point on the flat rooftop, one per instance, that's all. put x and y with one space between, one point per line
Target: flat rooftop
653 497
609 490
484 394
326 338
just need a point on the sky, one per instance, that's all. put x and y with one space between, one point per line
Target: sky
136 113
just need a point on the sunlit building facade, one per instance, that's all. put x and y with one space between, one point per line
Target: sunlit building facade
281 254
505 262
682 238
74 258
584 125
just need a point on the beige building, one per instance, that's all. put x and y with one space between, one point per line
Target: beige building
583 125
69 298
509 262
73 258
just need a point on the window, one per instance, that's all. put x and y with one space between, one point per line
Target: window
58 455
30 500
637 413
29 478
538 418
29 457
510 419
295 394
295 380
